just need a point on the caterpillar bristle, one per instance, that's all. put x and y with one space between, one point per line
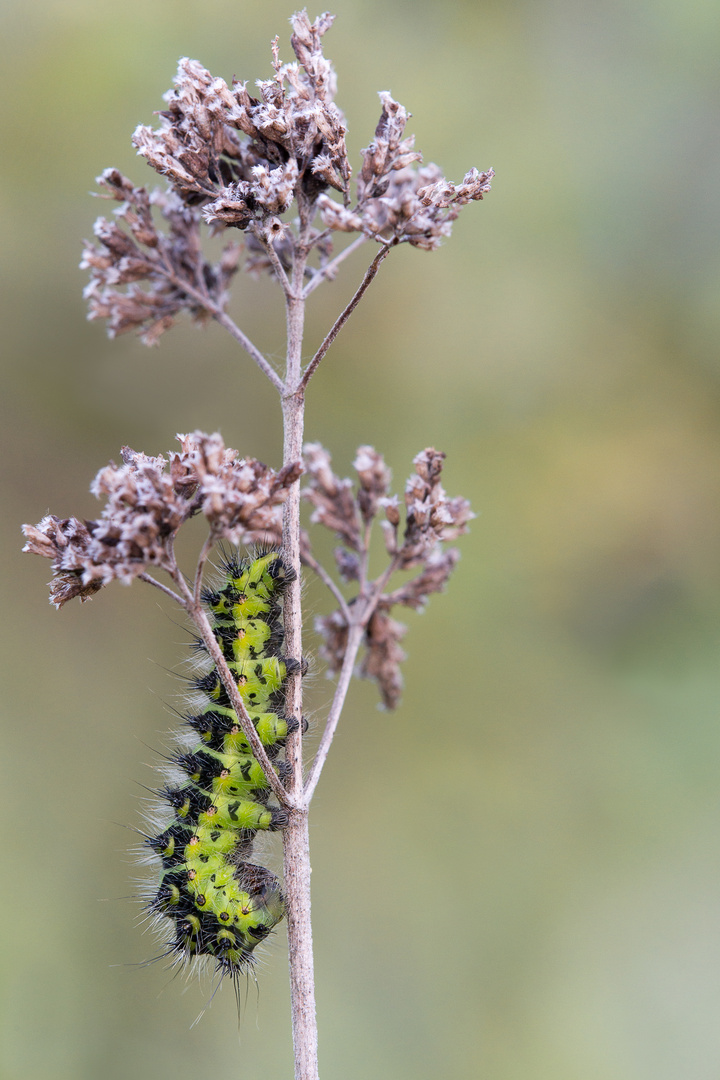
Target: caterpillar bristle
219 905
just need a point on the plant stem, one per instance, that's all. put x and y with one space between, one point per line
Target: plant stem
355 636
225 321
163 588
327 273
328 582
295 835
299 928
345 315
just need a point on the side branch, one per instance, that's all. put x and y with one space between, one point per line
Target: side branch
328 271
356 632
357 621
269 248
345 315
163 588
307 560
234 330
225 321
200 619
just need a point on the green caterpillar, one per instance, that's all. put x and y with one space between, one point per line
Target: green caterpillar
220 905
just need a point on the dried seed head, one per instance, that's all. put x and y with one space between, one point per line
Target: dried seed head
233 160
176 278
293 133
431 518
332 499
383 656
374 477
66 542
148 499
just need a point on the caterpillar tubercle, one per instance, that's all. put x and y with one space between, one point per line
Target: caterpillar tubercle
220 905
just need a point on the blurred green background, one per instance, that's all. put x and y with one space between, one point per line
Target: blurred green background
552 912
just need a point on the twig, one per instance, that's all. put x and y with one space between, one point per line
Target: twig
197 614
274 260
322 573
355 635
345 315
377 588
357 623
224 319
163 588
328 271
202 559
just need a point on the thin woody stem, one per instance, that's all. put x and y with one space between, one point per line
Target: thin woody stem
345 315
328 271
197 614
365 558
322 573
202 559
224 319
357 624
274 261
163 588
377 589
356 632
296 840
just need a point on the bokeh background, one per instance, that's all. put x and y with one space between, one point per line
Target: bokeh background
518 873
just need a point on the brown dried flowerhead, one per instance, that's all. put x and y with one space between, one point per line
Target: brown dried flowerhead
431 519
147 501
266 164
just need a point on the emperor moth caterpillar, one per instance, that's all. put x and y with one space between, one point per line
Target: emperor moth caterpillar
219 904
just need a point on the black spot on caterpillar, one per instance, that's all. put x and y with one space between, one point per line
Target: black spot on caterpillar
220 905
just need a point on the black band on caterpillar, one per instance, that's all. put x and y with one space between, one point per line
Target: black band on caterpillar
221 906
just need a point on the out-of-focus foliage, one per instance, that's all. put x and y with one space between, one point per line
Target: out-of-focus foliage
553 910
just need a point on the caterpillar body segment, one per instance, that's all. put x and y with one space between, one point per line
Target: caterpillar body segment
219 904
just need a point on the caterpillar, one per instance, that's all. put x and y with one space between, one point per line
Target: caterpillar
219 905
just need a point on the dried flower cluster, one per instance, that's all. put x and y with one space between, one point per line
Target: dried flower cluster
148 499
431 519
397 200
180 278
234 160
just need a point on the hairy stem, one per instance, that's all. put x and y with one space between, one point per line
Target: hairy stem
163 588
200 568
355 636
357 621
272 255
295 836
328 582
196 611
224 319
345 315
302 982
327 272
248 346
